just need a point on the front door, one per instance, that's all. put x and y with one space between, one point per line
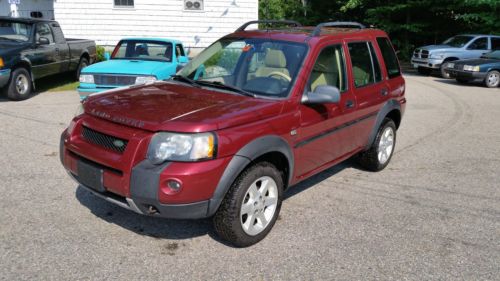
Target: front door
44 57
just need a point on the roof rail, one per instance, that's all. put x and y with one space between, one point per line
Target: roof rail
287 22
317 29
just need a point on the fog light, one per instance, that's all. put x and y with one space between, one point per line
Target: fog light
173 184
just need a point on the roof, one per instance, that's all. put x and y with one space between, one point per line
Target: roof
169 40
24 20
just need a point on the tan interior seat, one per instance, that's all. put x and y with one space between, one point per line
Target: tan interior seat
325 71
275 61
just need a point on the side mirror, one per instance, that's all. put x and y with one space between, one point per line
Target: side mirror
322 94
43 41
107 56
182 59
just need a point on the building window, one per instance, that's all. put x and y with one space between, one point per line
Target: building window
124 3
193 5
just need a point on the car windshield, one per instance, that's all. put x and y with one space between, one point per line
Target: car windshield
14 31
261 67
458 41
143 50
492 55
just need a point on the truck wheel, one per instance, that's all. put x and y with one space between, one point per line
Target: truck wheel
81 65
424 71
492 79
251 206
444 73
20 85
378 156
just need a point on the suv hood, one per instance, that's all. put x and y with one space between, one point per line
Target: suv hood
119 66
172 106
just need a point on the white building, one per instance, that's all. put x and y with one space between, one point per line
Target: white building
197 23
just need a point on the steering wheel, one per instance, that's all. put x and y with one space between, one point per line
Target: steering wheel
280 74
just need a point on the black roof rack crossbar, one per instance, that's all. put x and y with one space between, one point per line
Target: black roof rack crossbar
286 22
317 30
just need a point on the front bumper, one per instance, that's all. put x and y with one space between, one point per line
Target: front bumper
426 63
466 75
4 77
85 92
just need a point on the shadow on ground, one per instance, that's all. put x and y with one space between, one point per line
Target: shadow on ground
161 228
47 84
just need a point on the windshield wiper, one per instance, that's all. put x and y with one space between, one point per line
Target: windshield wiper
185 80
220 85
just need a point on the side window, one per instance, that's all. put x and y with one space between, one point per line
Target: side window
390 59
329 69
43 30
495 43
479 44
365 66
179 51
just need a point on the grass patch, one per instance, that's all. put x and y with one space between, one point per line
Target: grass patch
57 83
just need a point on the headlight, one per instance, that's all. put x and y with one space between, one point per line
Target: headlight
86 78
144 79
181 147
471 68
436 56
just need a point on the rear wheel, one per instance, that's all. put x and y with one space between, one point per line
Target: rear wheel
424 70
251 207
492 79
380 153
20 85
81 65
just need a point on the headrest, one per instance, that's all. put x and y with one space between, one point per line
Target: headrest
275 59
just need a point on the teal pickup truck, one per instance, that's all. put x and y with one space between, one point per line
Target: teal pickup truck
133 61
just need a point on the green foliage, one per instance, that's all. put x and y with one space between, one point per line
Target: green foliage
410 23
100 53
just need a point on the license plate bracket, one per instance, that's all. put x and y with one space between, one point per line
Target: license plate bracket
91 176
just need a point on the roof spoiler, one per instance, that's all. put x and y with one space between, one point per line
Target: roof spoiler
269 22
348 24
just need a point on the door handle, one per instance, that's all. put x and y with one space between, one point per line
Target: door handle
384 92
349 104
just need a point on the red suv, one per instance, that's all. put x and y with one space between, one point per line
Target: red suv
252 115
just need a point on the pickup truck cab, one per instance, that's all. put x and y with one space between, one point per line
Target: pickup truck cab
466 46
35 48
249 117
134 61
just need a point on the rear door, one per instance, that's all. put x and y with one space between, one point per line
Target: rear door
62 49
320 137
370 90
390 68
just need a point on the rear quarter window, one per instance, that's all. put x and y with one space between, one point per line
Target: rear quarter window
389 56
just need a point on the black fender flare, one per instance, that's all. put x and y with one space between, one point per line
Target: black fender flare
247 154
389 106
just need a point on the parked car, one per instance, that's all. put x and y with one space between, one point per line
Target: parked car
486 69
433 57
35 48
134 61
252 115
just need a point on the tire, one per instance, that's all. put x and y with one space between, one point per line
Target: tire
462 81
20 85
374 159
424 71
81 65
251 206
492 79
443 72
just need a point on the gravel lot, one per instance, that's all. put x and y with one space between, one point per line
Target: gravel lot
434 213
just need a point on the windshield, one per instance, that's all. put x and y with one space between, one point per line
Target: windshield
457 41
143 50
262 67
492 55
15 31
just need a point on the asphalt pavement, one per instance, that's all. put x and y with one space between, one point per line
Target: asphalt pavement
432 214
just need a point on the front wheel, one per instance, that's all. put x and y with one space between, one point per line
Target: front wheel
377 157
20 85
445 74
251 207
492 79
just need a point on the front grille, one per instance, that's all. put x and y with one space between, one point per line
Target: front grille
421 54
107 141
114 80
424 54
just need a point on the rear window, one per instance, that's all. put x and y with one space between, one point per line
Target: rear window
390 59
